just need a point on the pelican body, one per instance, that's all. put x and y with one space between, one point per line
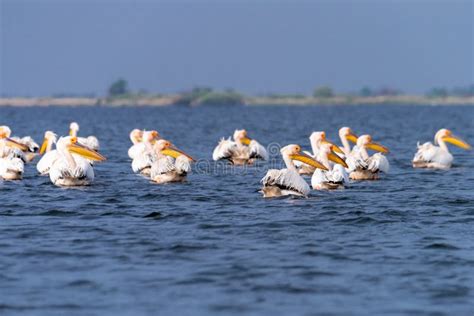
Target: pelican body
365 167
169 163
12 159
72 167
241 151
29 148
288 181
438 157
136 137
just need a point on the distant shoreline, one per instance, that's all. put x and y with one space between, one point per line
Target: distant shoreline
173 100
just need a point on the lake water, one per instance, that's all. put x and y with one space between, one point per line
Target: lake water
213 245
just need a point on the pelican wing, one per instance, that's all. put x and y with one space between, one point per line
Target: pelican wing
142 161
257 151
11 164
337 175
431 153
378 162
136 150
224 150
30 143
287 180
183 165
162 165
47 161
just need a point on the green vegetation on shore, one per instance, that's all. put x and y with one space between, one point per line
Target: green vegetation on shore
119 94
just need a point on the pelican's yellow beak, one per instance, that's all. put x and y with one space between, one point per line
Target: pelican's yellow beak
352 137
335 158
175 153
44 146
377 147
71 132
14 144
246 140
334 146
85 152
457 142
308 160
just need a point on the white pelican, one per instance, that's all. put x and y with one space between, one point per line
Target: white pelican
49 154
346 135
143 153
242 150
365 167
30 147
438 157
136 138
90 142
336 176
316 139
72 168
288 181
169 163
11 157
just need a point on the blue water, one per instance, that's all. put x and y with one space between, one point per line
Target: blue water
124 246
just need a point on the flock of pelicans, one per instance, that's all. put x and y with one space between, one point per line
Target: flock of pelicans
330 166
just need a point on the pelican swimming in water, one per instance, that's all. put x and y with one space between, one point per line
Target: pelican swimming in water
143 153
49 154
316 139
288 181
438 157
169 163
90 142
365 167
30 146
12 163
346 135
242 150
136 137
72 167
335 177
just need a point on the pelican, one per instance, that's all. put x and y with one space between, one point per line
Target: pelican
11 157
143 153
335 177
438 157
90 142
288 181
363 166
316 139
30 147
136 138
72 167
242 150
169 163
346 135
49 154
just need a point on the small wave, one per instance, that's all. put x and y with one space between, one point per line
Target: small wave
441 246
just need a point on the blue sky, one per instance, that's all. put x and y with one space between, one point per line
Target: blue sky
52 46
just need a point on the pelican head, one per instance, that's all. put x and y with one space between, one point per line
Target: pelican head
150 136
165 147
49 138
136 136
240 136
445 135
5 131
327 151
346 132
293 152
70 144
319 138
73 129
365 141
